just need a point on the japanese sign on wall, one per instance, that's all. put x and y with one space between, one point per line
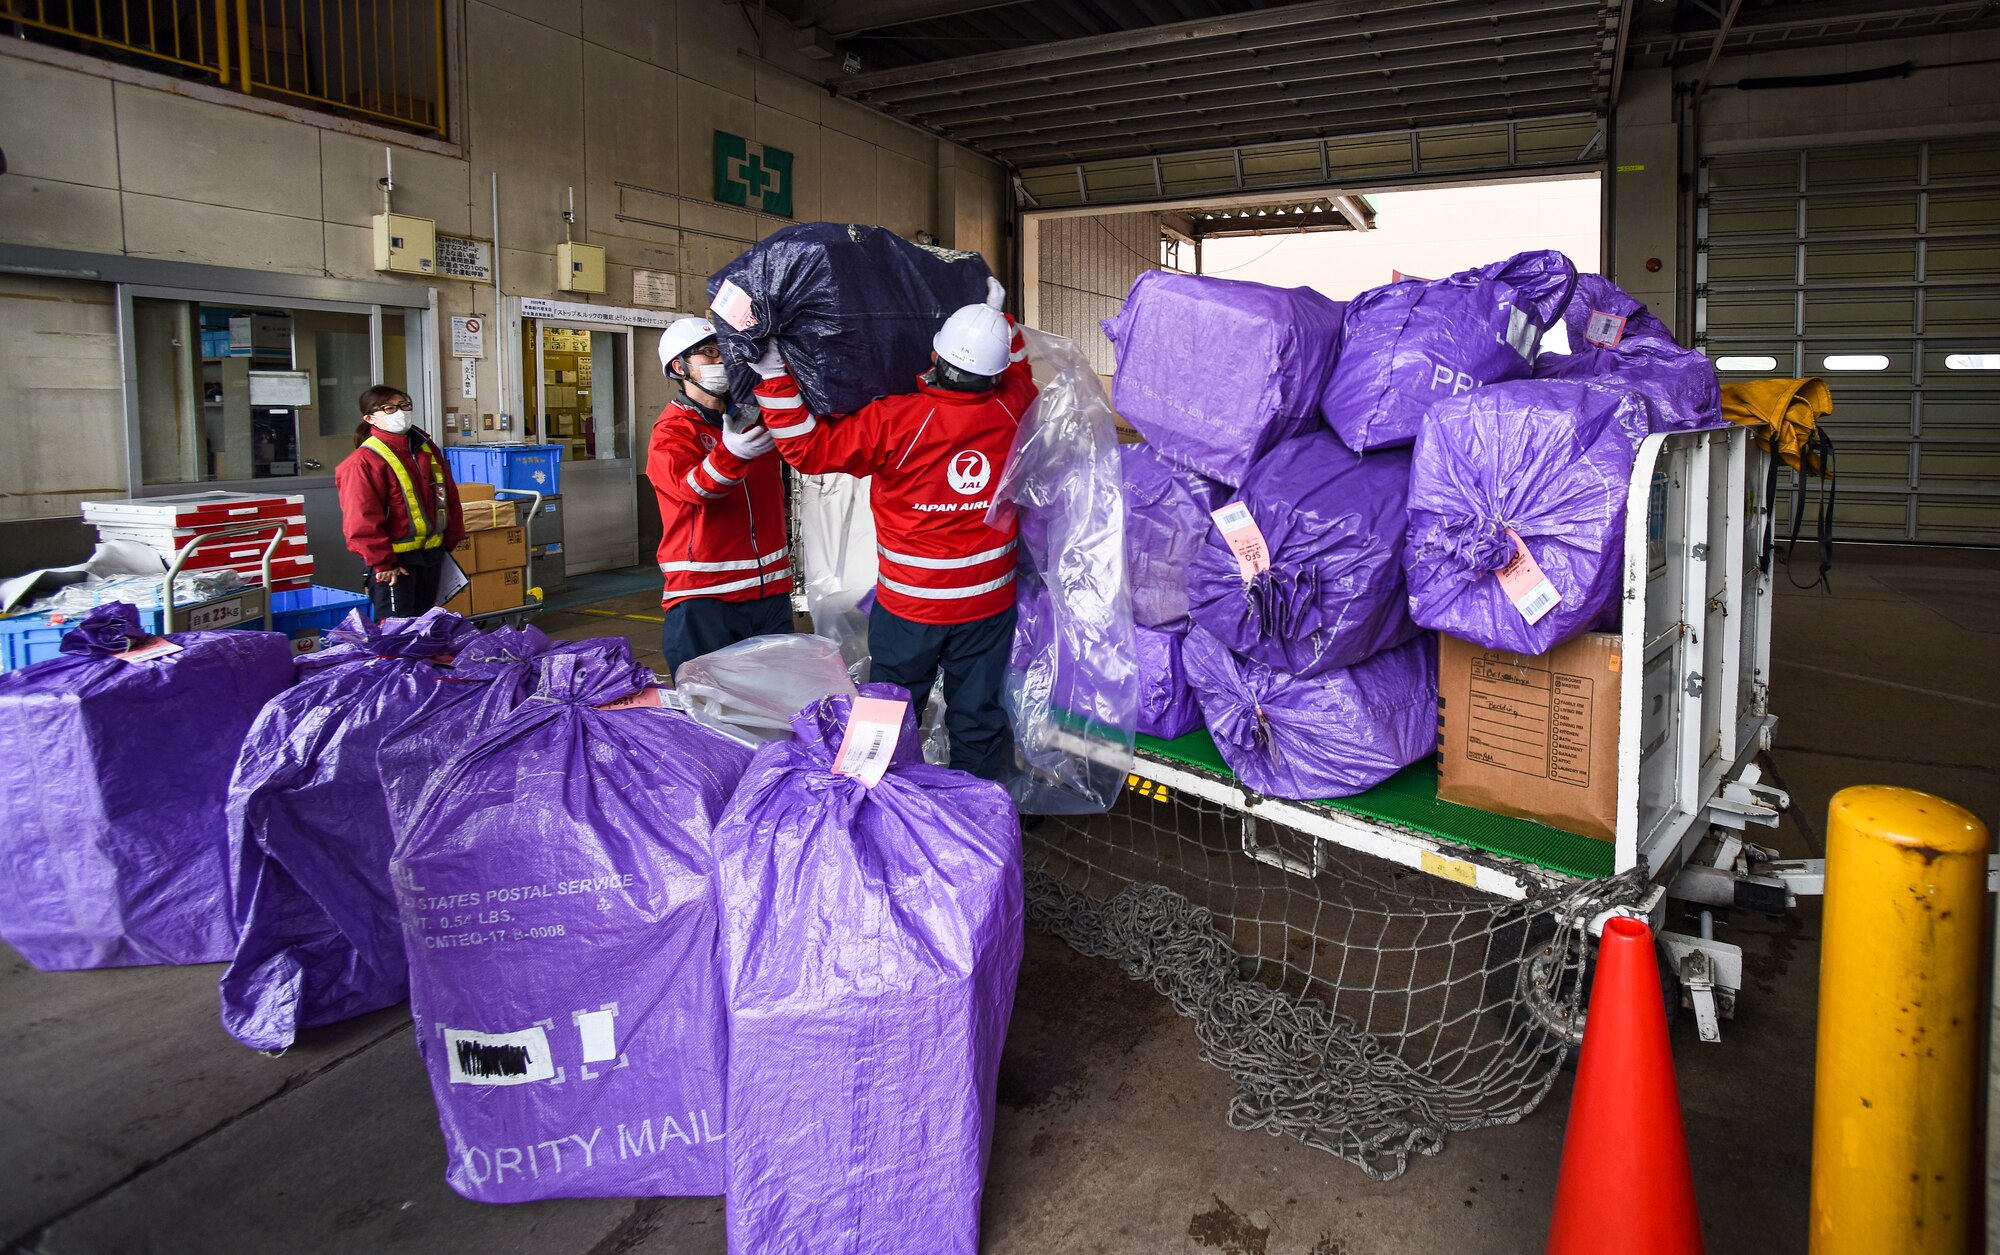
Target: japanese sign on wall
468 337
654 288
461 257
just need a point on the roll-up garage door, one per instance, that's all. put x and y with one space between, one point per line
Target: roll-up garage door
1878 269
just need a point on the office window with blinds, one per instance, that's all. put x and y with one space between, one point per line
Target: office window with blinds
1876 268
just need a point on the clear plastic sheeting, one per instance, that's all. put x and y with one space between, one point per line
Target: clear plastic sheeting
836 530
1074 704
871 938
113 851
751 690
555 898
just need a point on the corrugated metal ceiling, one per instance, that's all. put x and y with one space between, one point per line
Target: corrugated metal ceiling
1041 84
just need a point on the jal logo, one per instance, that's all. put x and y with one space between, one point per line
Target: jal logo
707 442
968 472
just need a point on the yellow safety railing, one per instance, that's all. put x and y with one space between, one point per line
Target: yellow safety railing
378 59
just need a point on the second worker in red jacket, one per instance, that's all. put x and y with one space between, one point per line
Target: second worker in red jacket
725 558
944 600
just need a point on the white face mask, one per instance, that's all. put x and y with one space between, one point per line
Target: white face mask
713 377
395 424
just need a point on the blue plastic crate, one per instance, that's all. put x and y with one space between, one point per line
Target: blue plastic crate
523 467
29 638
312 609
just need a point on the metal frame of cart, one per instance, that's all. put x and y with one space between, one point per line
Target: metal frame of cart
1692 717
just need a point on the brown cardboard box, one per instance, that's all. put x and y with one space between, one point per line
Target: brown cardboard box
498 590
461 601
499 548
1534 736
463 554
474 492
483 516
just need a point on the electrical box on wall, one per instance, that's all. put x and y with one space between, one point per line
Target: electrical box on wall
405 245
579 268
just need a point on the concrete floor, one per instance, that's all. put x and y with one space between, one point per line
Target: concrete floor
132 1123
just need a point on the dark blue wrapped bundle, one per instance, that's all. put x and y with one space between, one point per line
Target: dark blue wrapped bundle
1615 339
1333 522
310 832
114 852
871 938
853 309
1332 735
557 905
1547 460
1409 344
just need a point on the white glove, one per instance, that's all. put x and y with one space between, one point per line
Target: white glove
996 296
749 444
770 365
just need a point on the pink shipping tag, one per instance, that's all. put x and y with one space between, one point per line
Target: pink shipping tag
873 726
1604 330
1525 583
1241 533
147 649
644 698
732 305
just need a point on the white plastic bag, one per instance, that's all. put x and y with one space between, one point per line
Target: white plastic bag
751 690
837 555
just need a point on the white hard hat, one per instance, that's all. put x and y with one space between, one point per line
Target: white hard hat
681 337
976 339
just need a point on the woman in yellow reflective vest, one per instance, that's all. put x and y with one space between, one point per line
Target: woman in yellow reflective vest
398 505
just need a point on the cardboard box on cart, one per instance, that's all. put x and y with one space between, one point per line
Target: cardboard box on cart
1534 736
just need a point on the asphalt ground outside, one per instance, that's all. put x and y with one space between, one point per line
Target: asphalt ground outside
129 1122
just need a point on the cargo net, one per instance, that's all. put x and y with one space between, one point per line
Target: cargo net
1362 1007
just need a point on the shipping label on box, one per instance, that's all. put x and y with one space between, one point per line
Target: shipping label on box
1534 736
500 548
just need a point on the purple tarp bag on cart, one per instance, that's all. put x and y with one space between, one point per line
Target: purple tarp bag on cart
1214 372
1168 707
1333 735
1166 517
1549 460
1615 339
310 832
114 852
557 905
1409 344
871 939
1333 524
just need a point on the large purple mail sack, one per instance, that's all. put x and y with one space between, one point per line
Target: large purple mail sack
1547 460
1333 735
870 941
1333 523
1168 707
310 833
1166 517
1213 372
1406 345
853 309
1616 339
114 851
556 902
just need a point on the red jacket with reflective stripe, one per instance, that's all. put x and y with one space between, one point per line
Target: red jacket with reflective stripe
373 514
722 520
935 456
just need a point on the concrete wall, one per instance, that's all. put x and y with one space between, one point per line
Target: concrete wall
1083 267
1950 90
615 98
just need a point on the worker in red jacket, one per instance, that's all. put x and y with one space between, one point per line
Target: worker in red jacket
725 556
944 598
398 505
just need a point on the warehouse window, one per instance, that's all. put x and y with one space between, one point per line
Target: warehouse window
1972 361
1855 361
242 389
1740 363
378 60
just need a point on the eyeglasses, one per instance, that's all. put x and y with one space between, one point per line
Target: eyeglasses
404 408
711 349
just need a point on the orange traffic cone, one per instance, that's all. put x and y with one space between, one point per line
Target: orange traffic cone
1625 1184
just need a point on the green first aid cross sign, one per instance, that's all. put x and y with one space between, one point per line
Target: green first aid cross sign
752 175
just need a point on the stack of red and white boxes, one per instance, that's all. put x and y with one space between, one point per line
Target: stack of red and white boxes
165 525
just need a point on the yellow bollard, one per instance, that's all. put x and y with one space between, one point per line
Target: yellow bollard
1899 1026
